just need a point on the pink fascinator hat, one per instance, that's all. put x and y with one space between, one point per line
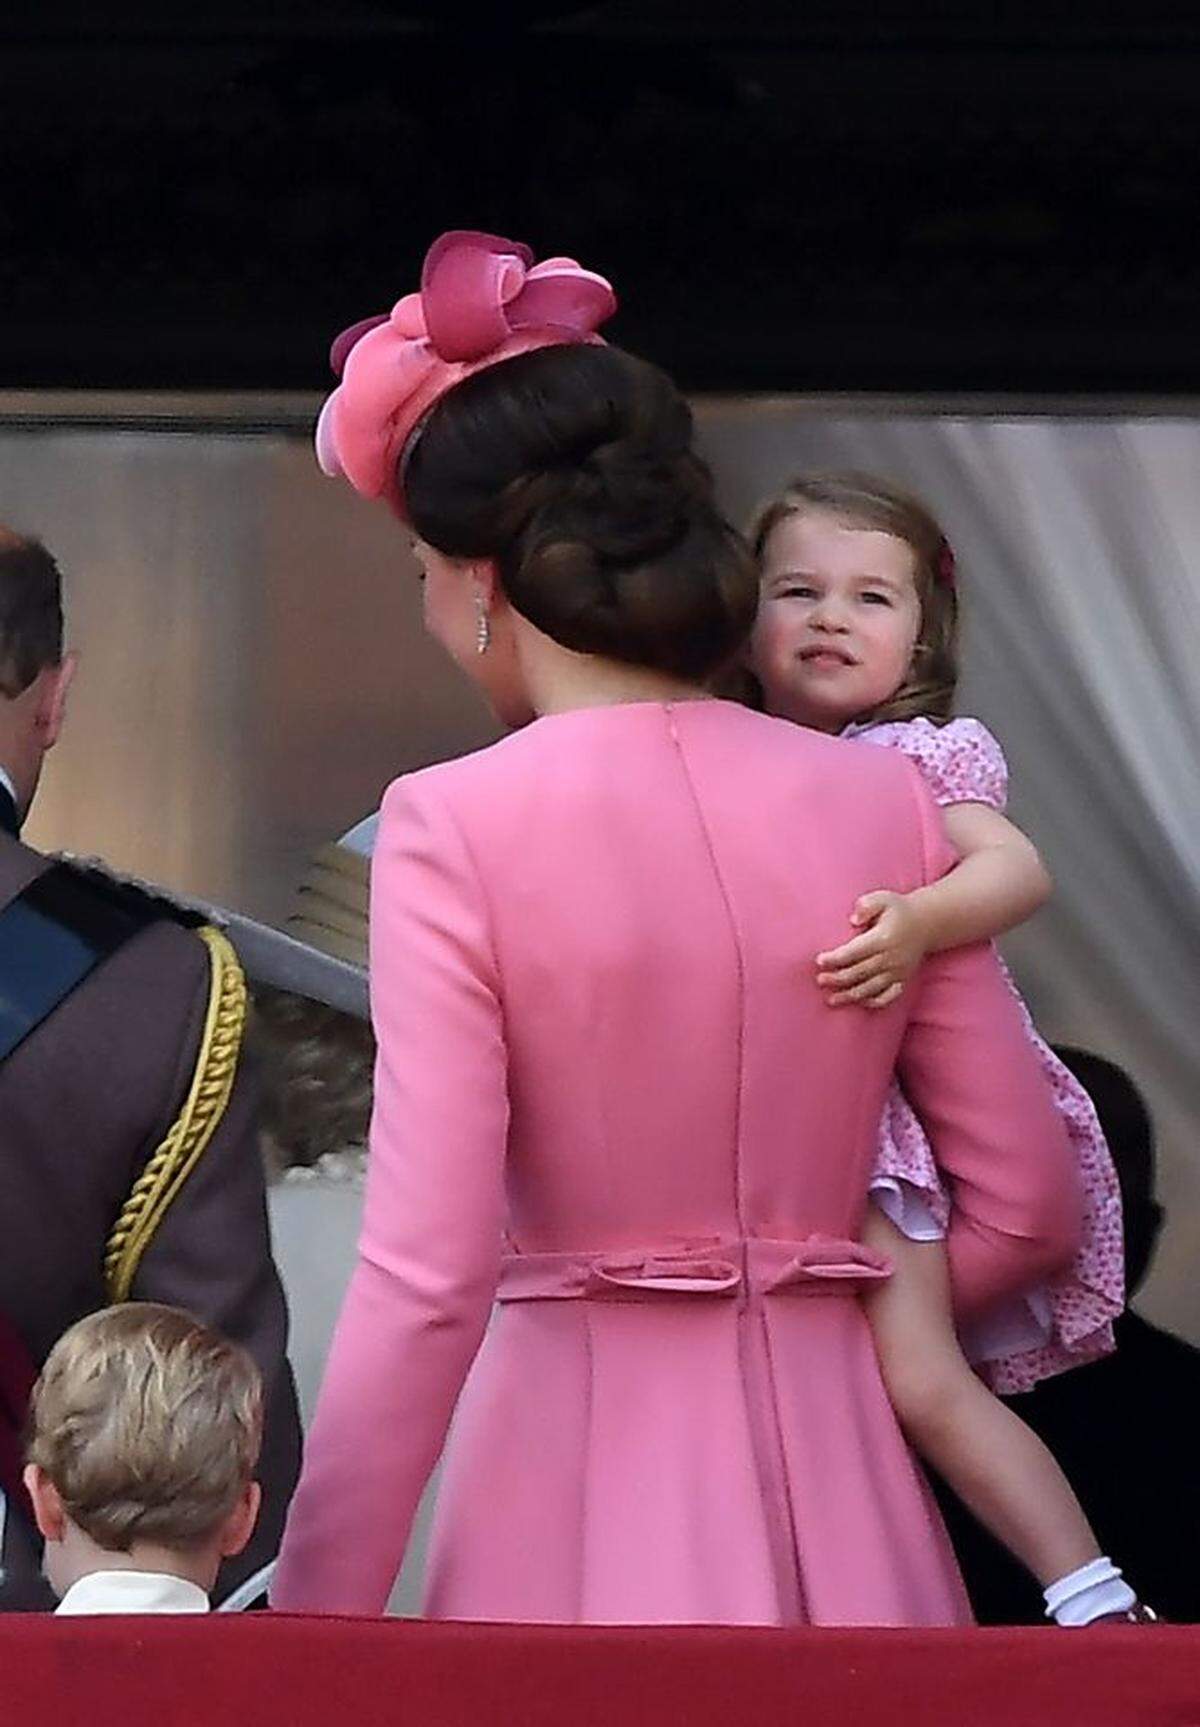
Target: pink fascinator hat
482 300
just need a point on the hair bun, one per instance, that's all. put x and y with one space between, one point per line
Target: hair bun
573 469
630 503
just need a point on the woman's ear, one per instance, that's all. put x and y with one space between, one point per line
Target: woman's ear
486 582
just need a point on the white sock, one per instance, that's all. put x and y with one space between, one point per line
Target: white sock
1095 1589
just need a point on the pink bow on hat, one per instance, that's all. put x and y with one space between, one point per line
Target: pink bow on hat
482 300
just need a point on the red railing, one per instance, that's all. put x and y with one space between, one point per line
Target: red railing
279 1670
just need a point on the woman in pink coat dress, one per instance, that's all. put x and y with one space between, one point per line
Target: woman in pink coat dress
611 1103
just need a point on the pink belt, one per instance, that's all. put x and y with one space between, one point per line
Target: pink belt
819 1265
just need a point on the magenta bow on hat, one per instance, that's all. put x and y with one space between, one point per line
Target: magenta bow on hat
482 300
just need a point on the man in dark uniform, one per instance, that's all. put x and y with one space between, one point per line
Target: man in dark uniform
129 1162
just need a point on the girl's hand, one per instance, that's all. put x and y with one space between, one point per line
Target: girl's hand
872 969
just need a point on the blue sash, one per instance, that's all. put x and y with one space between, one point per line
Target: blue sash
54 934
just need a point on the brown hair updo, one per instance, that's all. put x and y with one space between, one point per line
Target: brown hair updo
572 469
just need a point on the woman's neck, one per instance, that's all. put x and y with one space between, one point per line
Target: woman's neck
613 692
560 680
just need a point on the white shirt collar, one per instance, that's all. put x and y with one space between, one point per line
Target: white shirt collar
133 1592
6 782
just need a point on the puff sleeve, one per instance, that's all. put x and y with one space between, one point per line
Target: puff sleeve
961 762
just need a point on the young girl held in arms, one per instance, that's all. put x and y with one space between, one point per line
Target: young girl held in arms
857 634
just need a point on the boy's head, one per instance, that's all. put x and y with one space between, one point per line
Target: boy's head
145 1429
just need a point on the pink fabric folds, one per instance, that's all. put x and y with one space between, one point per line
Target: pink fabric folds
482 299
602 1042
818 1265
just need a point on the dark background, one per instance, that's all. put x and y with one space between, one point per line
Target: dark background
788 196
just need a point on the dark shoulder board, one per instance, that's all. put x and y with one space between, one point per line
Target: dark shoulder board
54 934
137 899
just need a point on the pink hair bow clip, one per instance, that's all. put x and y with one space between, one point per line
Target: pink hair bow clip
482 300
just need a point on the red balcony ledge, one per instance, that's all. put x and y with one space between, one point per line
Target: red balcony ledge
285 1670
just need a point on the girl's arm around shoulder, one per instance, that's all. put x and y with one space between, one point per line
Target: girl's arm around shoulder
998 882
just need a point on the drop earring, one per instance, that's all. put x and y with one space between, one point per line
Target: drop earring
483 632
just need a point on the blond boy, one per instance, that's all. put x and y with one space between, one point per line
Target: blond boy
145 1429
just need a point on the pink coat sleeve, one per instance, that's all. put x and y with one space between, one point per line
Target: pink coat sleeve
433 1220
973 1076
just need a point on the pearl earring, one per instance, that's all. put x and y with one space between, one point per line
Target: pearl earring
483 633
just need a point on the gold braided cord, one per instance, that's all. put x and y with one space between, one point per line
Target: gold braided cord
198 1120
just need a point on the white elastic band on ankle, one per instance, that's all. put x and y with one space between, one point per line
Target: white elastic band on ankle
1096 1589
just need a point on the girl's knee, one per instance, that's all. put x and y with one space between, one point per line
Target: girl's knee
927 1392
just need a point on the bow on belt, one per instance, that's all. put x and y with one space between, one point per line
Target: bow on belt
818 1265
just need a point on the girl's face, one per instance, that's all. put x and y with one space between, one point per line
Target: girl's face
453 593
837 622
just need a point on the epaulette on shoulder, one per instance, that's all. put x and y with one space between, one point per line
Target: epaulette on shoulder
141 900
70 919
268 956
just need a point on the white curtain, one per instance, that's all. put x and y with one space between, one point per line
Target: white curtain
1078 546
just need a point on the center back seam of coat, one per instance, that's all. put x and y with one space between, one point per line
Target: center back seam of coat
739 968
768 1407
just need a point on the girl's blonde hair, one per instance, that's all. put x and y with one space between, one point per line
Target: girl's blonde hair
864 501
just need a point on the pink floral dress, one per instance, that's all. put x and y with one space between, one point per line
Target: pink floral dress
1069 1321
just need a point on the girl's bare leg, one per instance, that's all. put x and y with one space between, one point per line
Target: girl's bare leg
996 1465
